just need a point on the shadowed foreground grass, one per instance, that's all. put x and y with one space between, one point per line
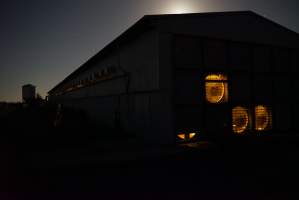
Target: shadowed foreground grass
74 162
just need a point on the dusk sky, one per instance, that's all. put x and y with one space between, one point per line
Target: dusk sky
43 41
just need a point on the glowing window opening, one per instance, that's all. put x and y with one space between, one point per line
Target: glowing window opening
182 136
263 118
216 77
240 121
191 135
216 88
187 136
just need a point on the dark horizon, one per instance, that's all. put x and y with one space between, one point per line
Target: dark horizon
43 42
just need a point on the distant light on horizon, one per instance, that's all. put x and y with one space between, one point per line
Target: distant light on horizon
180 8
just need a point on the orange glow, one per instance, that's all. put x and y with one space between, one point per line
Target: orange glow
240 119
216 77
187 136
191 135
216 88
263 118
182 136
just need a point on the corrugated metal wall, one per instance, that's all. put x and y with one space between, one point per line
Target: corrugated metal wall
135 100
257 75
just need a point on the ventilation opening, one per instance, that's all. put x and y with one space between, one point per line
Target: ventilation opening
263 118
216 88
240 120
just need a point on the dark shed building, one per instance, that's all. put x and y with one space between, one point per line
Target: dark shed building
180 77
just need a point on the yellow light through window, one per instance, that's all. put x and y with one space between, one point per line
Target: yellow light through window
182 136
263 118
187 136
191 135
216 88
240 120
216 77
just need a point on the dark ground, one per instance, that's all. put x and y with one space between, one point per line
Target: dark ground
73 162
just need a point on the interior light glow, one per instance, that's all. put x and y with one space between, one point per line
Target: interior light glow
192 135
216 77
263 118
216 88
182 136
240 119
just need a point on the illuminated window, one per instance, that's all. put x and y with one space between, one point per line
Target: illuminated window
192 135
182 136
240 120
216 88
263 118
187 136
